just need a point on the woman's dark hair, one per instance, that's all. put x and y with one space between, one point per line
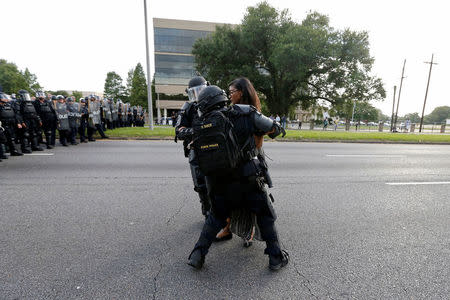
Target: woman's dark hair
249 95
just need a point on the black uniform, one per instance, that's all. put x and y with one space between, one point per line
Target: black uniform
243 186
32 121
47 114
10 120
83 123
73 109
185 119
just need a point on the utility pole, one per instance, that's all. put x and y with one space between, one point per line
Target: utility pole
426 92
393 106
149 82
399 92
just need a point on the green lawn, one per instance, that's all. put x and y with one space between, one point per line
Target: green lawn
308 135
366 136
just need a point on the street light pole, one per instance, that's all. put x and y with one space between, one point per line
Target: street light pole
149 82
398 99
393 106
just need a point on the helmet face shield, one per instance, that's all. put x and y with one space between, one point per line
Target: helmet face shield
40 94
26 96
4 97
193 92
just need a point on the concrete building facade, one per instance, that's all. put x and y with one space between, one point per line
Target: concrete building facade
174 62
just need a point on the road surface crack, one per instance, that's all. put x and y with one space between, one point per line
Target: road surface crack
177 212
155 282
305 281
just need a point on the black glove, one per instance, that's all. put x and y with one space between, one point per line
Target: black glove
185 133
277 130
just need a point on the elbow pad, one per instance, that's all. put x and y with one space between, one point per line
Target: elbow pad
262 122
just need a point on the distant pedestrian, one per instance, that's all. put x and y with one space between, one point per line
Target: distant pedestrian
283 121
407 125
174 119
300 124
325 123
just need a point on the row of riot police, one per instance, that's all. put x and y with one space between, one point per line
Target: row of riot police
26 120
119 114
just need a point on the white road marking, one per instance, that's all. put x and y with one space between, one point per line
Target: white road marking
367 155
39 154
418 183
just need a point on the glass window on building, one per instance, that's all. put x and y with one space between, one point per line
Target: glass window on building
173 69
176 40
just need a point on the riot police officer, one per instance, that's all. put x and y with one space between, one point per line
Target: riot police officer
242 186
31 120
63 120
2 141
73 109
84 119
10 122
47 114
183 131
107 113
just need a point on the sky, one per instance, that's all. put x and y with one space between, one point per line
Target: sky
72 44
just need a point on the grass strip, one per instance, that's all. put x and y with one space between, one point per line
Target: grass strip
300 135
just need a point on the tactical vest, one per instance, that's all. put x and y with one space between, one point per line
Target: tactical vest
6 112
28 110
46 111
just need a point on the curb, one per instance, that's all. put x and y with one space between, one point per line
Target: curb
292 141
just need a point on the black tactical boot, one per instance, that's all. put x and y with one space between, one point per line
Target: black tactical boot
35 145
277 262
2 154
26 150
196 259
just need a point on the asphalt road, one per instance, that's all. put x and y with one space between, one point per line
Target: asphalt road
117 220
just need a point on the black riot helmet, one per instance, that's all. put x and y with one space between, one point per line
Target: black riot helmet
40 94
195 86
4 97
211 97
24 95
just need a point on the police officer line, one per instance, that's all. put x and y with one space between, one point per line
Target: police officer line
25 121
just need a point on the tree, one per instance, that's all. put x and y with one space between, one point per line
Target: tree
58 92
11 79
31 81
77 95
413 117
438 115
138 90
289 62
364 111
113 86
128 84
